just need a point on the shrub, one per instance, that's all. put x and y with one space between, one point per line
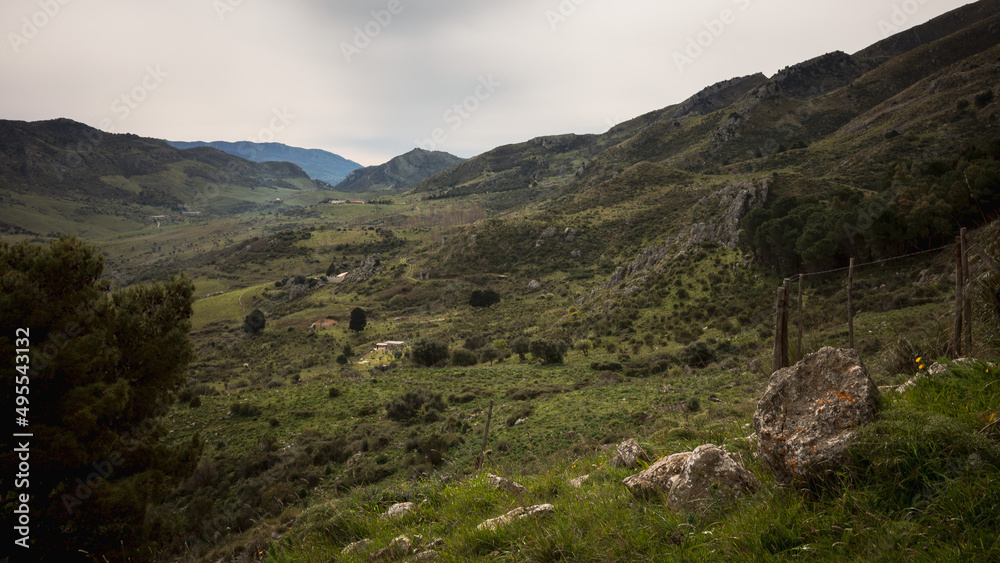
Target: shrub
605 366
409 405
984 98
334 392
195 402
548 351
244 409
254 322
428 352
464 358
484 298
697 354
520 346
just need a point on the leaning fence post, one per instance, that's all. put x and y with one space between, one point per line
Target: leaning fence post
967 302
486 434
850 305
956 339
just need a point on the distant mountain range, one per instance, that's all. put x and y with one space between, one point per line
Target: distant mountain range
318 164
64 176
400 174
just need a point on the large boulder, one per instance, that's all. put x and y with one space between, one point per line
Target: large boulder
658 478
693 480
810 411
710 475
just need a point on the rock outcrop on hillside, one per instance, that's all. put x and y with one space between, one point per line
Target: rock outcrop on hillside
369 267
810 411
693 480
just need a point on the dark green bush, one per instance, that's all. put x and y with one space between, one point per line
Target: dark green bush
606 366
412 404
548 351
428 352
462 357
244 409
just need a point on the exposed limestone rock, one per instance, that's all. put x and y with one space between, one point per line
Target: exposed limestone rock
935 370
809 412
570 234
426 555
502 484
360 546
399 510
369 267
533 285
579 481
546 234
630 453
398 548
710 474
519 513
659 478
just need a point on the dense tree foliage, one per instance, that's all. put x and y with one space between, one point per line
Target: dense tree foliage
484 298
359 319
104 367
920 205
428 352
548 351
254 322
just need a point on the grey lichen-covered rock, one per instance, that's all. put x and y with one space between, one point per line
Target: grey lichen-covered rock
630 453
426 555
579 481
570 234
710 475
519 513
659 478
399 510
360 546
533 285
810 411
398 548
503 484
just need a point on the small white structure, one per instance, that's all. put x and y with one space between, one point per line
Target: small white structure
390 345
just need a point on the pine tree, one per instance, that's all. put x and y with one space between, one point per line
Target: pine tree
103 368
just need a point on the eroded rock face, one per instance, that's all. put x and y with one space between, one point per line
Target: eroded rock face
710 474
810 411
630 453
659 478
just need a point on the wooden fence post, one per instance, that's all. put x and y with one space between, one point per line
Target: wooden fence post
486 434
784 323
778 335
850 305
956 339
798 347
967 315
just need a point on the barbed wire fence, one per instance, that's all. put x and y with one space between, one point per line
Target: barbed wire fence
961 340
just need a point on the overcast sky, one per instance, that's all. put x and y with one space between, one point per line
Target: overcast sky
373 79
